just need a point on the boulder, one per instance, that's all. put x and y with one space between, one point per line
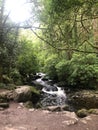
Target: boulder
84 99
82 113
22 94
6 95
58 108
54 108
65 107
93 111
28 104
51 88
4 105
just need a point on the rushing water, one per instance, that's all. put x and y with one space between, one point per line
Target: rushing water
52 94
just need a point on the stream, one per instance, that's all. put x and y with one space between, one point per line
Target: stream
52 95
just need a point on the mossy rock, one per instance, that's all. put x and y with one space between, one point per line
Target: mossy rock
6 96
84 99
93 111
23 94
35 95
4 105
3 98
82 113
38 105
34 90
28 104
54 108
65 107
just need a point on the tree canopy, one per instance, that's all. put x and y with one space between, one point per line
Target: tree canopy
68 41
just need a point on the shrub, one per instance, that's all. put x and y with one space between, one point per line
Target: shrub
63 69
16 77
80 71
27 62
6 79
7 86
50 66
83 76
84 71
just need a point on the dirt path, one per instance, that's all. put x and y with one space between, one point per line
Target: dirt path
19 118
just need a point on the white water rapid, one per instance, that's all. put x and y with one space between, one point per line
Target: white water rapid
54 95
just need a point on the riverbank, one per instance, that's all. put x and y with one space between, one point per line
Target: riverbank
17 117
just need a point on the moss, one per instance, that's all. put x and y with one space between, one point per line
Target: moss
38 105
28 104
34 90
93 111
82 113
35 95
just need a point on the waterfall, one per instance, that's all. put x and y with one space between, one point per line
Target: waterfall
52 94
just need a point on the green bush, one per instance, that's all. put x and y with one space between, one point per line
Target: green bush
6 79
7 86
50 66
80 71
16 77
63 69
27 62
84 71
84 76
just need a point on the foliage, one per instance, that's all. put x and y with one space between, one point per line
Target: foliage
27 63
7 86
15 76
70 24
84 76
50 66
63 70
80 72
8 43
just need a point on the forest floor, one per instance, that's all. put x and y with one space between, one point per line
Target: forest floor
17 117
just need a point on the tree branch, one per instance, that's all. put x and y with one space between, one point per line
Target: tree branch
62 49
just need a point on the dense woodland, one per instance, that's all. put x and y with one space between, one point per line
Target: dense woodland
64 45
